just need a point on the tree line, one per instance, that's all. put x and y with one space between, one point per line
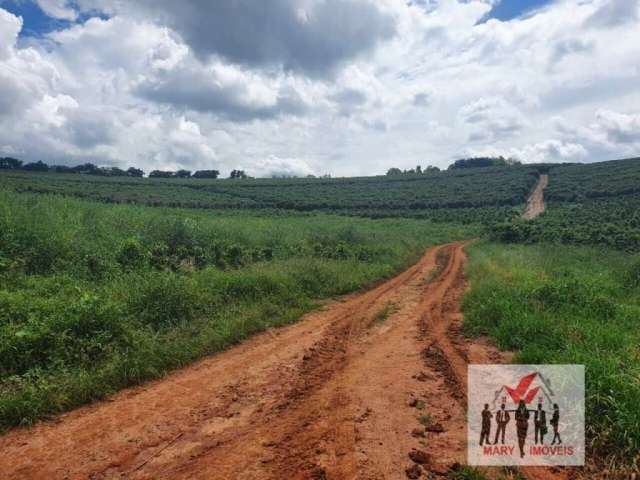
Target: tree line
413 171
9 163
473 162
479 162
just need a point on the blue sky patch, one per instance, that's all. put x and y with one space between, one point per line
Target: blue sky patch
36 23
510 9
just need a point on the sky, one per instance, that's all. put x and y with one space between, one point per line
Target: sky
299 87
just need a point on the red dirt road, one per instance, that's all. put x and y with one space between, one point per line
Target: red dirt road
535 204
327 398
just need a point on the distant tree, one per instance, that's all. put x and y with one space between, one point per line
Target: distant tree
394 171
481 162
60 169
431 169
285 176
206 174
101 172
161 174
114 172
86 168
8 163
38 166
183 174
238 174
419 169
134 172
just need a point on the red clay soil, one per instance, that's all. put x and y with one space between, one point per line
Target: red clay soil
535 204
336 396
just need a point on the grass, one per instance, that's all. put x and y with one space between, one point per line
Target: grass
97 297
384 313
426 419
564 304
466 473
470 473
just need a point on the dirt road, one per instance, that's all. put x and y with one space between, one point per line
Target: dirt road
337 396
535 204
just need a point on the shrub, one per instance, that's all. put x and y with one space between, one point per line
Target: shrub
131 255
96 266
632 275
59 332
164 299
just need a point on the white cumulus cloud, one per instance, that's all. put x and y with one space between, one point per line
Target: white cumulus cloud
348 87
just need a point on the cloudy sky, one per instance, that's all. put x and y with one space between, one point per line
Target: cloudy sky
346 87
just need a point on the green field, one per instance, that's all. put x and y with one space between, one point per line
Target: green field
568 305
586 203
487 194
106 282
95 297
596 204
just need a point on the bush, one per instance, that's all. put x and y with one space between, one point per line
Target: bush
632 275
164 299
96 266
131 254
60 332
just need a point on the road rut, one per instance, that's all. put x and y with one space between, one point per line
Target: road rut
331 397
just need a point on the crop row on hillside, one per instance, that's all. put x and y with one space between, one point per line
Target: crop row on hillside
383 196
612 222
586 204
96 297
579 182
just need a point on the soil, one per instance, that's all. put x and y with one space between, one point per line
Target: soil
535 204
338 395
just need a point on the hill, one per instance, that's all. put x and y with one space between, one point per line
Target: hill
587 204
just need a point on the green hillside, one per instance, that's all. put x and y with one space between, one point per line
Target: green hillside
587 204
466 195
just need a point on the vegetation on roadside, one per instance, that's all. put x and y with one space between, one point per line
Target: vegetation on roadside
567 304
466 473
96 297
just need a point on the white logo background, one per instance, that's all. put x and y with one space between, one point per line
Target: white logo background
540 384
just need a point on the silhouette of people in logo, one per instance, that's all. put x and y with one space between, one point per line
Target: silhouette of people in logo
502 418
486 425
540 423
522 425
555 421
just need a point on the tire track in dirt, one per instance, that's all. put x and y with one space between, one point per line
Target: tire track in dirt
336 396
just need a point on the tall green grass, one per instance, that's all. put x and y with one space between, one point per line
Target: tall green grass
562 304
96 297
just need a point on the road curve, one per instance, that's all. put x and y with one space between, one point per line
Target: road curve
329 397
